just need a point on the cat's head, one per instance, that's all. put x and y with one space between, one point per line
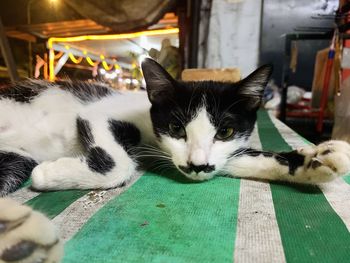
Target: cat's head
201 124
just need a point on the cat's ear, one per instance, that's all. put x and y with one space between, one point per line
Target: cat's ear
253 86
160 85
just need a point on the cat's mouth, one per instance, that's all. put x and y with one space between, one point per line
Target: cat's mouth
198 173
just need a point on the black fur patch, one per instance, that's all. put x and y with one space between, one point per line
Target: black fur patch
293 160
267 154
315 164
99 160
14 171
253 153
125 133
84 133
197 168
281 160
85 91
25 91
19 251
328 151
21 92
202 168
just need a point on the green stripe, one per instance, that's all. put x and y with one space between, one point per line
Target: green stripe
53 203
26 183
162 219
347 179
310 229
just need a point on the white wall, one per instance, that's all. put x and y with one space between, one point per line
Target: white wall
234 33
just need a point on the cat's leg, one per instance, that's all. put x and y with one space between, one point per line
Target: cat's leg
15 168
308 165
105 164
27 236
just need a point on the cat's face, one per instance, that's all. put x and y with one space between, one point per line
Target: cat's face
201 124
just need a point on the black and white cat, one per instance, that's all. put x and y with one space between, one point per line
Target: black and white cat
77 135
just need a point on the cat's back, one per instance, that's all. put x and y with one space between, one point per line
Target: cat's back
41 116
29 90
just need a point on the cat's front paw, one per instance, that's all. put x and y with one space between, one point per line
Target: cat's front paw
326 161
27 236
51 175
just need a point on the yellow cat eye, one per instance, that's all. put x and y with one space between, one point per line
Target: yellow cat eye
177 130
224 133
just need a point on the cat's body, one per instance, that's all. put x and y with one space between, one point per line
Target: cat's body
45 125
85 136
79 135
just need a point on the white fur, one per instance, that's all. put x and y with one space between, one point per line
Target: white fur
68 172
200 147
45 130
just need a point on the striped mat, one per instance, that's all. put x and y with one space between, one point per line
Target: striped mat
166 219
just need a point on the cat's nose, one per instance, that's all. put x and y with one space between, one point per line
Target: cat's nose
197 157
202 168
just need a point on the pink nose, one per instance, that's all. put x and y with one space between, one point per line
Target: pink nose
198 157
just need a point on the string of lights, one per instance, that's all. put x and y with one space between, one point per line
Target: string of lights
102 60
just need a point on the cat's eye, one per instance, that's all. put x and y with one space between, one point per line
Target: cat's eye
177 130
224 133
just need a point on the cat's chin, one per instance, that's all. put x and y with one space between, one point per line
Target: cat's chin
199 177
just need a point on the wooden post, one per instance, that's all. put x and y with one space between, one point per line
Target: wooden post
6 52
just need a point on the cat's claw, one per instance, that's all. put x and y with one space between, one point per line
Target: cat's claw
27 236
326 161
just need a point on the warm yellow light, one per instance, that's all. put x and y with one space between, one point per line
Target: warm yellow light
100 37
89 60
75 60
113 37
105 65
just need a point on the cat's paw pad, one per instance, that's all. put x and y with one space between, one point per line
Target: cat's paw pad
326 161
26 235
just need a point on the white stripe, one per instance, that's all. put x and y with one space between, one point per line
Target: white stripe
336 192
23 195
72 219
258 238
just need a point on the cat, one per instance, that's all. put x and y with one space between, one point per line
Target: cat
76 135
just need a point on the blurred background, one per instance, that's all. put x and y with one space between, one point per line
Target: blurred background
105 41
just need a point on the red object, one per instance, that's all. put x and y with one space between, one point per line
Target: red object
324 96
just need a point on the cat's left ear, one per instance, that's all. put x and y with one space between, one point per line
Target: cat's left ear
253 86
159 84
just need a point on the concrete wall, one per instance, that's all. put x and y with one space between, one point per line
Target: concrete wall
234 33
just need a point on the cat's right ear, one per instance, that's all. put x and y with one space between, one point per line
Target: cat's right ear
159 84
252 87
